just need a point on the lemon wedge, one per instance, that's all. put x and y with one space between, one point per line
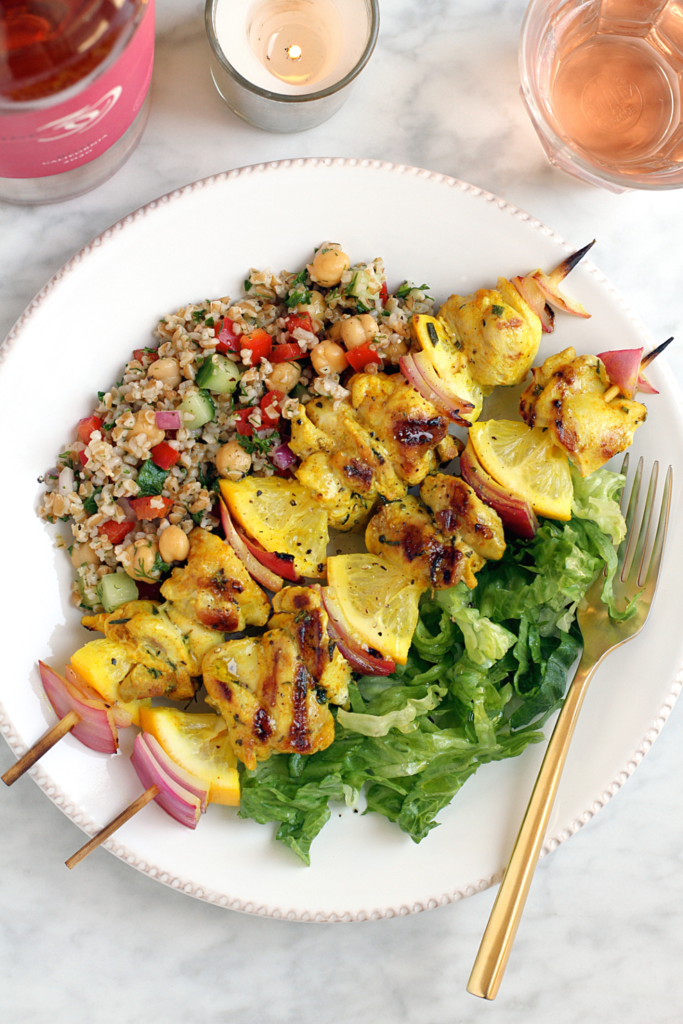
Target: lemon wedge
200 745
282 517
380 603
527 462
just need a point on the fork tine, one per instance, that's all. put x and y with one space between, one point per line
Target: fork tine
630 512
636 565
652 576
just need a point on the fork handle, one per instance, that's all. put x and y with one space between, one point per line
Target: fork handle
496 944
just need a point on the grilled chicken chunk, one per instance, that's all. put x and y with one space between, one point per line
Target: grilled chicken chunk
214 589
567 397
343 465
406 424
459 512
273 691
406 535
163 664
499 332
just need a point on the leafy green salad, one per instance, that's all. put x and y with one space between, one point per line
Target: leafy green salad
486 669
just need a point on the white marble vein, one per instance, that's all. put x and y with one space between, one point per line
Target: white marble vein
601 939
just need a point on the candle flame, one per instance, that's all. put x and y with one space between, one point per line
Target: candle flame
294 53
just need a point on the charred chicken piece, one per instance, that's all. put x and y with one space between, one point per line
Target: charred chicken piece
163 664
213 589
567 398
408 426
343 465
459 512
273 691
406 535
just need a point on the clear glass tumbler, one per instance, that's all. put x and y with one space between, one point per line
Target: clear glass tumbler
601 80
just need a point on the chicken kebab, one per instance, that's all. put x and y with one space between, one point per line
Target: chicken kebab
363 442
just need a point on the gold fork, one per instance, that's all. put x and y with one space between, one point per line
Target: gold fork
636 579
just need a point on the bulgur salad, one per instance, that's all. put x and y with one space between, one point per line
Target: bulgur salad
211 397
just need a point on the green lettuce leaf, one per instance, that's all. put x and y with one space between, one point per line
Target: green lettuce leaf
596 497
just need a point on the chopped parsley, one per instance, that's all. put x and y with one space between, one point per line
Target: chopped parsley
198 315
151 480
68 459
497 310
258 445
303 297
210 322
301 276
100 395
90 504
247 285
407 287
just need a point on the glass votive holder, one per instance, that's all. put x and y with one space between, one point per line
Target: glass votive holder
288 65
601 83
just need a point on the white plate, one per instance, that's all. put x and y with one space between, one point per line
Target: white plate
73 340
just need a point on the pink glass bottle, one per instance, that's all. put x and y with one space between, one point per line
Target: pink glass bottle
74 93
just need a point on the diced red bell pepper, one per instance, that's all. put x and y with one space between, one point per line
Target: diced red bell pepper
87 426
139 354
384 293
243 426
164 456
227 340
361 356
83 459
115 532
144 509
270 400
302 321
259 343
284 353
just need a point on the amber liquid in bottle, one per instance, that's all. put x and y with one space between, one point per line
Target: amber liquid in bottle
615 89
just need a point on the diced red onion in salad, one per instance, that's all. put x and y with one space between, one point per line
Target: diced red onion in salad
283 457
168 420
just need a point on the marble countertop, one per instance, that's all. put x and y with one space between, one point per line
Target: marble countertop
601 936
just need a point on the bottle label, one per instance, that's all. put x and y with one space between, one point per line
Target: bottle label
70 134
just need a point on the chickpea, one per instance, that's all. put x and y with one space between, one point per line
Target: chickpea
174 545
83 554
334 332
329 263
232 460
358 330
328 357
167 371
315 309
139 559
283 377
145 423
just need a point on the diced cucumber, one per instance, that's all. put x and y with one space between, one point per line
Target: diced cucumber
116 589
359 284
200 405
218 374
85 601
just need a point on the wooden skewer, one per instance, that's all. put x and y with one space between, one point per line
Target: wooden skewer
45 743
109 830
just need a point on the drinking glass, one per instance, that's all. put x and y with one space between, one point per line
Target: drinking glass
601 80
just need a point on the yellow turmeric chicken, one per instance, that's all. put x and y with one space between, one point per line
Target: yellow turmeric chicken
567 397
439 549
273 691
166 643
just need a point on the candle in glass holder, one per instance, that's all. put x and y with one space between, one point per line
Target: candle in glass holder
287 65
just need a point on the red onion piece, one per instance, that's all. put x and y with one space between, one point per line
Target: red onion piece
535 299
177 801
645 386
96 728
356 652
168 420
264 576
623 367
179 775
515 512
283 457
553 295
419 372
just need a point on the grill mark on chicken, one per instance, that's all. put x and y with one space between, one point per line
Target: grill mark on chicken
225 620
414 433
298 731
262 726
360 473
309 639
